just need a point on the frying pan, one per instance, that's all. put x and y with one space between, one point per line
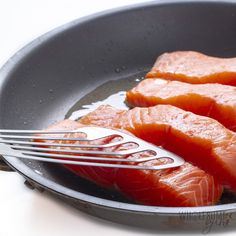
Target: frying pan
47 78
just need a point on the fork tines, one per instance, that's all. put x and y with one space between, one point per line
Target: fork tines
67 147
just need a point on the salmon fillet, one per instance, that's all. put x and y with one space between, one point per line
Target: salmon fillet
194 68
213 100
186 185
200 140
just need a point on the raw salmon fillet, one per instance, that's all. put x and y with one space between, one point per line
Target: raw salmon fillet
200 140
213 100
186 185
194 68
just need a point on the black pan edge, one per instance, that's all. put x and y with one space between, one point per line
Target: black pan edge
170 211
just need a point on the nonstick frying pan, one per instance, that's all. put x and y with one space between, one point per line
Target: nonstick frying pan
45 80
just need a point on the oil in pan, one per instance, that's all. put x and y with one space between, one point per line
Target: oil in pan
110 93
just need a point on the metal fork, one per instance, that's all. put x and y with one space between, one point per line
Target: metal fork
51 148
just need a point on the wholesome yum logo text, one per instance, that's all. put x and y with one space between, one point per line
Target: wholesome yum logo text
209 220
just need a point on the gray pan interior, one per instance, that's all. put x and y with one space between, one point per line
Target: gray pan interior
44 80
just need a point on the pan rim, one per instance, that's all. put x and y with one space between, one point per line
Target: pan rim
28 173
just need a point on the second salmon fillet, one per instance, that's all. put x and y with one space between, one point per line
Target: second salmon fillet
213 100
